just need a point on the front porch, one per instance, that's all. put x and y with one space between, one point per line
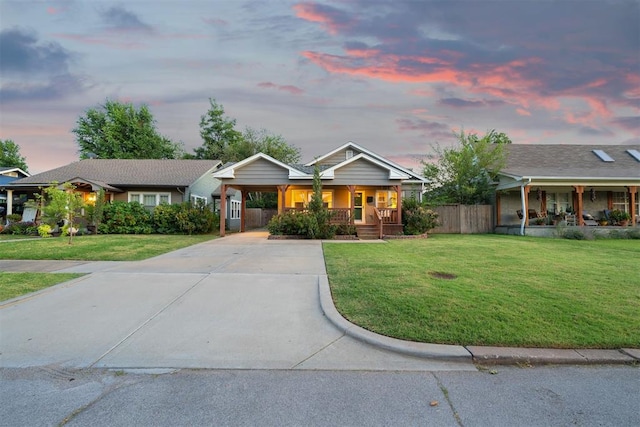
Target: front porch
361 206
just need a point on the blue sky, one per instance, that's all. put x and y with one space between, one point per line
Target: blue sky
393 76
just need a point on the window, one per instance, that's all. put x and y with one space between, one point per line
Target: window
386 199
349 154
301 198
558 202
621 201
198 200
235 206
150 200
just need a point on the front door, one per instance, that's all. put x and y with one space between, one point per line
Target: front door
358 206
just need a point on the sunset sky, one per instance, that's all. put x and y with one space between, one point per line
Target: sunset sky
396 76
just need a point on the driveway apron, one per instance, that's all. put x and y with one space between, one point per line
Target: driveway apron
238 302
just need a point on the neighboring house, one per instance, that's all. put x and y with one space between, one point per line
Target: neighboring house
149 182
8 175
546 181
359 186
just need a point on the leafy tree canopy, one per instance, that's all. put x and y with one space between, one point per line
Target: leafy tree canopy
465 173
10 155
118 130
221 141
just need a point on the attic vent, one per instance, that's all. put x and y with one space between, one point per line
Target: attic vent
349 154
603 156
635 154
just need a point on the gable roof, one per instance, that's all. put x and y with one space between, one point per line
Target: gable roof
570 161
229 170
126 173
4 170
371 155
393 172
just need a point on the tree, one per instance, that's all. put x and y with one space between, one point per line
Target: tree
221 141
10 155
465 174
118 130
218 134
62 204
275 146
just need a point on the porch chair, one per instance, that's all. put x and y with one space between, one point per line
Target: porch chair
534 214
571 219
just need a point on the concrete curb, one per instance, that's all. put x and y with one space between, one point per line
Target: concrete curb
478 354
549 356
422 350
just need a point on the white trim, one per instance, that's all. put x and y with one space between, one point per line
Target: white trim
235 209
229 171
141 195
393 173
371 154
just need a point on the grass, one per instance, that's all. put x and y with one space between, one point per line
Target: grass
105 247
505 290
16 284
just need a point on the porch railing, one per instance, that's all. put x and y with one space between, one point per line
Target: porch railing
388 216
338 215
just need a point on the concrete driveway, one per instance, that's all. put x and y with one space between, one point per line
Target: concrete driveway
239 302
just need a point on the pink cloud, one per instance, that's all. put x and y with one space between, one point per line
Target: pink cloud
285 88
522 112
323 15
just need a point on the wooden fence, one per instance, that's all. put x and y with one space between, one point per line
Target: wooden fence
464 219
258 218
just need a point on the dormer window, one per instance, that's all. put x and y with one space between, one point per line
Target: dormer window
349 154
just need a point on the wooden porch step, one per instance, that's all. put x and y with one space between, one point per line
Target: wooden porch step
368 232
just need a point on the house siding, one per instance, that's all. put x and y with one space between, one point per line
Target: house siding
204 186
338 157
261 171
176 197
362 172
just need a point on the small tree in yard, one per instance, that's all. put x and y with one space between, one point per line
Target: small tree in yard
62 204
416 218
321 215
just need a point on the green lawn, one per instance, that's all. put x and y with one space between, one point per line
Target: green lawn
16 284
104 247
492 290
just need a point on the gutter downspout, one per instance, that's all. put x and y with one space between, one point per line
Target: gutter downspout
525 213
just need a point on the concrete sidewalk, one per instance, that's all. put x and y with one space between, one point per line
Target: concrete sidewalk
240 302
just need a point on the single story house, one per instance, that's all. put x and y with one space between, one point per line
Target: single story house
544 183
149 182
8 175
359 186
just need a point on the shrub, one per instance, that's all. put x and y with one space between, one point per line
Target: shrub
573 234
14 218
44 230
165 219
25 228
198 218
416 218
294 223
634 234
346 229
126 218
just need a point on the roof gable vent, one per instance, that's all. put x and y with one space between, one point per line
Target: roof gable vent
603 156
349 154
635 154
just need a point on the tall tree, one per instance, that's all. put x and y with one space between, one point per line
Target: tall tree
10 155
273 145
118 130
218 134
465 173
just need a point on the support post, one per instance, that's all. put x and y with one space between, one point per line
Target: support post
399 203
223 208
526 205
579 192
9 202
243 211
498 208
282 198
352 201
632 201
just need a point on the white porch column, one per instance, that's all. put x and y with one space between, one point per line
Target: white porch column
9 202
